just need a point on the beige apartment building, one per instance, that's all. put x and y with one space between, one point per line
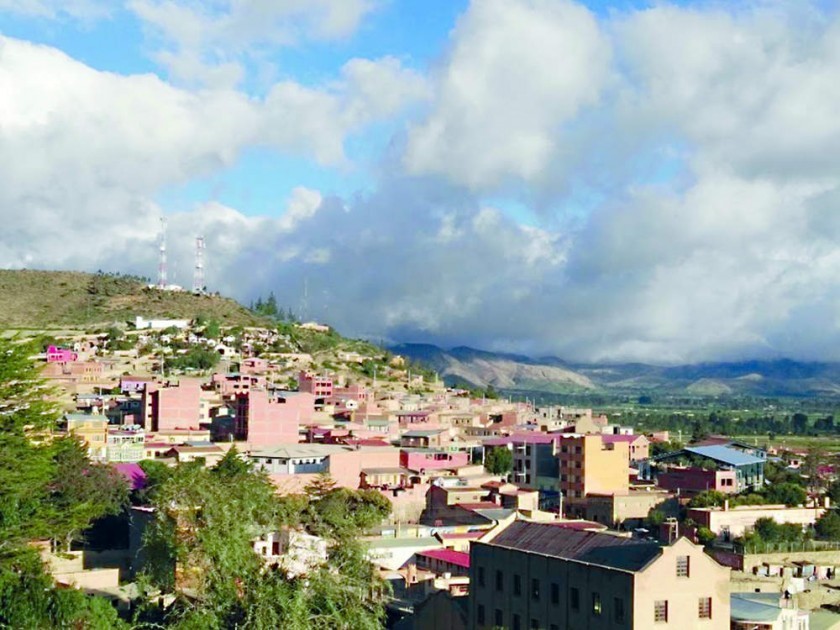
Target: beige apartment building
589 466
544 576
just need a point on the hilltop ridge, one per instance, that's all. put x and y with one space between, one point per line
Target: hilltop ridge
52 299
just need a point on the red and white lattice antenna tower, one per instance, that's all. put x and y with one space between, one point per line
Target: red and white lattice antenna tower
198 274
162 282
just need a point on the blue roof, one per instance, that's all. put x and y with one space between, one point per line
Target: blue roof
744 608
725 455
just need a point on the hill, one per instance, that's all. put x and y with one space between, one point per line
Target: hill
53 299
478 368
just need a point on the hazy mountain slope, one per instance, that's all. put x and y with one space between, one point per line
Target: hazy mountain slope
550 374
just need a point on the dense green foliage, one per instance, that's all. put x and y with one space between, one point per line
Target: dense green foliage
498 461
828 526
48 490
200 549
196 358
790 494
269 308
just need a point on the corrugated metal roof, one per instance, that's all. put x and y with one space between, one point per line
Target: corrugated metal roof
724 454
592 547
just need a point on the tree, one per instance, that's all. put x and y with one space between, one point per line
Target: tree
655 517
201 540
706 536
213 329
28 475
707 498
233 466
320 486
157 473
81 491
828 526
498 460
790 494
799 423
812 468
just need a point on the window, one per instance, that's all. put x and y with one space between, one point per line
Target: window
704 608
618 609
596 604
481 576
500 581
535 589
535 624
660 611
517 585
500 620
480 615
682 566
555 594
517 625
574 598
554 626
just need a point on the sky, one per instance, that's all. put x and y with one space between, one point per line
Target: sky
601 181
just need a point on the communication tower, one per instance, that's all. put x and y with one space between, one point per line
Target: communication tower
162 282
198 273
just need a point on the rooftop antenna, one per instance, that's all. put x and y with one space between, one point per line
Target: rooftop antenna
304 302
162 256
198 273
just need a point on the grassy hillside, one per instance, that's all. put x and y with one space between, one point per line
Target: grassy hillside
52 299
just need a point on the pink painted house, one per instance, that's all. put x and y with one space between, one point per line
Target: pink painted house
60 355
422 460
319 386
230 384
264 419
172 406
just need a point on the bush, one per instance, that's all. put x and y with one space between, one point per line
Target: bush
705 536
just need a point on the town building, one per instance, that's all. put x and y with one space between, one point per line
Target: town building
732 522
638 445
589 466
748 467
126 444
535 575
92 430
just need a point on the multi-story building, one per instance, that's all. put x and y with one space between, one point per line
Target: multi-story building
262 420
173 405
589 466
748 466
319 386
92 429
535 463
535 575
126 444
638 445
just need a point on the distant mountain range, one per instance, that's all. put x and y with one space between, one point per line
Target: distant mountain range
470 367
